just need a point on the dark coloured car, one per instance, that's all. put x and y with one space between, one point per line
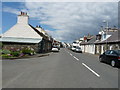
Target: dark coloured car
111 56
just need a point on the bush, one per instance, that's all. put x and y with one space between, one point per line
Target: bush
6 56
15 53
27 51
4 51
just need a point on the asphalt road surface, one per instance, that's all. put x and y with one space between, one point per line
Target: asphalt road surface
65 69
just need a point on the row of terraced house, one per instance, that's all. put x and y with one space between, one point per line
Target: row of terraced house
23 34
106 39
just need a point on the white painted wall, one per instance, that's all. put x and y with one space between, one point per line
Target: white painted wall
88 48
22 19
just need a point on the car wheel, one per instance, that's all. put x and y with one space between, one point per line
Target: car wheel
113 63
100 59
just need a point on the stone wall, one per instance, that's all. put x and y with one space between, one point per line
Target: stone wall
44 46
6 45
100 48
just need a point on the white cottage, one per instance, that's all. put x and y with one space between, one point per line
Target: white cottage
22 34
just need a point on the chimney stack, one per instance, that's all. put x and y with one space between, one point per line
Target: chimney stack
37 26
23 18
23 13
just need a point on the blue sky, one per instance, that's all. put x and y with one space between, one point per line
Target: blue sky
10 19
64 21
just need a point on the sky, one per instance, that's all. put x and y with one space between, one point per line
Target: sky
65 21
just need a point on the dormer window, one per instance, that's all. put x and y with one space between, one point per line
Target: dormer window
104 36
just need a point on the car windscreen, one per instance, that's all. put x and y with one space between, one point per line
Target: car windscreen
74 46
118 51
78 47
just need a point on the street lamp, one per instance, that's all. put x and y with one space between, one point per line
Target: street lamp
107 27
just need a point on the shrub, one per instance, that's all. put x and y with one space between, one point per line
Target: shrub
27 51
4 51
6 56
15 53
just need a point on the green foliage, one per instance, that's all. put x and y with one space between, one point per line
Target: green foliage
15 53
27 51
4 51
6 56
0 51
1 45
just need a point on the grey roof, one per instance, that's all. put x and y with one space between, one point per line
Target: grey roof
92 40
20 40
114 38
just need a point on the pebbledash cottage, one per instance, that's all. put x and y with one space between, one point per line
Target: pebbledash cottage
23 35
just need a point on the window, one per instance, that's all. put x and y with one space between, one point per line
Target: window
74 46
118 51
112 52
104 36
107 52
78 47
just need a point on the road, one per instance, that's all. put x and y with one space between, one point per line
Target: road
65 69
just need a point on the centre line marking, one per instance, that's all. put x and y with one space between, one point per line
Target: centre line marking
70 54
91 70
76 58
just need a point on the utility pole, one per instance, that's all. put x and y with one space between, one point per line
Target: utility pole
107 27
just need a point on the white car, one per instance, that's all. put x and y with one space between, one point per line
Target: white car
76 49
73 48
55 49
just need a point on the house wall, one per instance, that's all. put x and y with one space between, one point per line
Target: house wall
98 49
9 45
22 19
101 48
88 48
45 46
83 48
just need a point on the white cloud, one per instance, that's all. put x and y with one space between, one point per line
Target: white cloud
72 20
10 10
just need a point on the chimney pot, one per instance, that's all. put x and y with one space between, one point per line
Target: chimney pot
21 12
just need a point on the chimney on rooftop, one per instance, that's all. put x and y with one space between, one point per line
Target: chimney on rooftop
23 18
37 26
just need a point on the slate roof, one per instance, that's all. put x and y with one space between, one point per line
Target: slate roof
21 31
114 38
92 40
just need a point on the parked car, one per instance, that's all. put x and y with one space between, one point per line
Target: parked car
55 49
111 56
76 49
73 48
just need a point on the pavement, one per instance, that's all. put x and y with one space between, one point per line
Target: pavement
65 69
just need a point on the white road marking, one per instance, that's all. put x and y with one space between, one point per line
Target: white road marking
12 80
71 54
91 70
76 58
85 65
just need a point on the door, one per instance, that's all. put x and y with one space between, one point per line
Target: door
106 56
113 56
